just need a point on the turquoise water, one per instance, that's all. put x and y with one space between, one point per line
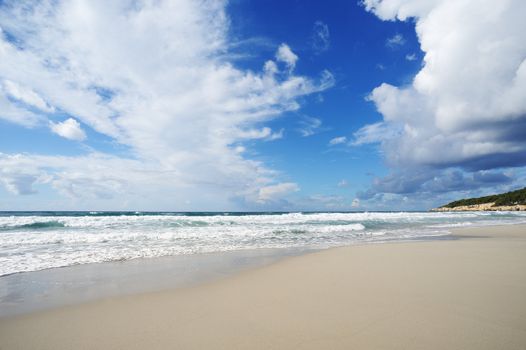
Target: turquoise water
32 241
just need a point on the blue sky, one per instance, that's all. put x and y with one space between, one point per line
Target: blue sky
260 105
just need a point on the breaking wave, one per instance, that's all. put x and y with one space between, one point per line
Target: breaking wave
35 241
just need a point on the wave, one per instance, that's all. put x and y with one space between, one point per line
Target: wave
53 239
39 225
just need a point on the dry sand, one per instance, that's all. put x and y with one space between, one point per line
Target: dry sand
468 293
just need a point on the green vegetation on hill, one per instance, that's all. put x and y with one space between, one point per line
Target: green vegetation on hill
508 198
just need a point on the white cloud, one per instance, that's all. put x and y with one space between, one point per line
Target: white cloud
399 9
270 67
395 41
338 140
411 57
286 55
355 203
373 133
16 114
19 184
25 95
19 176
467 105
309 126
104 182
264 134
463 113
273 192
155 78
69 129
320 37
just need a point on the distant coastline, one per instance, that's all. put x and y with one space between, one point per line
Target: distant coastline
482 207
509 201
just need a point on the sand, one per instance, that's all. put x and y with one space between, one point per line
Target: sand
466 293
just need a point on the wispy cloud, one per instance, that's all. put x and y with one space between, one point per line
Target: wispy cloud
320 38
152 76
338 140
309 126
395 41
375 133
411 57
265 133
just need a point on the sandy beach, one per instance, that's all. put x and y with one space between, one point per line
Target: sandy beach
464 293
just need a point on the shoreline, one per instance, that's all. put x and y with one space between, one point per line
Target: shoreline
58 287
464 293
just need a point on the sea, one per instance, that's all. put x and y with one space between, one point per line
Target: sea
34 241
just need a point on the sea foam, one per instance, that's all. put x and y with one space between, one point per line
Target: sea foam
30 242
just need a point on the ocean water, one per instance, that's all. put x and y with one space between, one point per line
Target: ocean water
32 241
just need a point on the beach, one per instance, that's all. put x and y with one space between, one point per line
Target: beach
463 293
182 174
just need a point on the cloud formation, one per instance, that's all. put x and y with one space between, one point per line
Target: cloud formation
69 129
320 37
309 126
274 192
420 180
183 111
338 140
395 41
285 54
411 57
466 107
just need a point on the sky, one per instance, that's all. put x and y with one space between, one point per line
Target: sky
212 105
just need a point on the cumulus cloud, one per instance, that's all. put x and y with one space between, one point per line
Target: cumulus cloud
69 129
155 78
399 9
320 37
286 55
468 100
338 140
466 107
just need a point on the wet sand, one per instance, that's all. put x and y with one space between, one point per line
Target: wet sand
466 293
